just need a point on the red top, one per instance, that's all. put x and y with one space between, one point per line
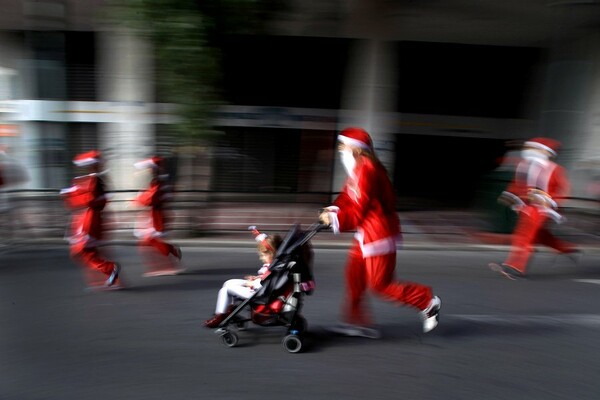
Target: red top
539 175
367 203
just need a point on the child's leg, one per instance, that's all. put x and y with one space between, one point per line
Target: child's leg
231 288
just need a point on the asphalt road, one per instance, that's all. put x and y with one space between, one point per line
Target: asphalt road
497 339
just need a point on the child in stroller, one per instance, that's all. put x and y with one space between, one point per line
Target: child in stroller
236 289
277 299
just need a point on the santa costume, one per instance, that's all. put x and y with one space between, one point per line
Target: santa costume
535 193
151 223
367 204
87 198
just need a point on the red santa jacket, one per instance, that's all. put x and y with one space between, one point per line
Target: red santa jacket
88 198
367 203
538 182
155 197
86 191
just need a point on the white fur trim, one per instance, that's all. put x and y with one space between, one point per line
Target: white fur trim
144 164
554 215
537 145
515 201
261 237
353 142
84 162
69 189
542 198
377 248
335 223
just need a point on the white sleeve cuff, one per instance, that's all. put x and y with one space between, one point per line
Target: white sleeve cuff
335 223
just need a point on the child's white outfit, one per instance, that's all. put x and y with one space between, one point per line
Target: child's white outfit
239 289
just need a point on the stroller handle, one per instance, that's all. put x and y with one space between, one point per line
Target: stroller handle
310 232
317 227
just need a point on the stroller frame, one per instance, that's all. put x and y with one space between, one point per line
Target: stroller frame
289 316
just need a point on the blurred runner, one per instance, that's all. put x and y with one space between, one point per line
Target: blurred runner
150 224
87 198
535 192
367 204
12 174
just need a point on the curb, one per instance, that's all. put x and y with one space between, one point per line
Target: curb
317 244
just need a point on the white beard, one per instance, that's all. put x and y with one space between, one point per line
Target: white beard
348 161
534 155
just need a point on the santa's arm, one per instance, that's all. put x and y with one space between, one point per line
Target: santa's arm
146 197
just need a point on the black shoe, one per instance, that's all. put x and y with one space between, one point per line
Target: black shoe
507 271
575 256
112 279
178 254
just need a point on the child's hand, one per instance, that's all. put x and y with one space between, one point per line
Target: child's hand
250 281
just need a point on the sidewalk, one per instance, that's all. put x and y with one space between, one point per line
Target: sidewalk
425 230
438 230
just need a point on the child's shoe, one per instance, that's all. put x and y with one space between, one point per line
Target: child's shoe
215 321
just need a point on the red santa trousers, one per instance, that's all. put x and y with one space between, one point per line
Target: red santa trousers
529 231
97 268
154 249
377 274
155 252
152 237
89 222
159 245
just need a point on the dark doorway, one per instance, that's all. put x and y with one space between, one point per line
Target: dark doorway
442 172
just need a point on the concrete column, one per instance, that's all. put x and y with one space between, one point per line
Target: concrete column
126 78
565 105
586 173
368 100
571 107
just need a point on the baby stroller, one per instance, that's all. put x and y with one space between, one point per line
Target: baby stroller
279 301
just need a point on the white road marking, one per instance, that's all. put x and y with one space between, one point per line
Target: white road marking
592 281
586 320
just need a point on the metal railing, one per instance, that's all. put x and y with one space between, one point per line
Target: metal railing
41 213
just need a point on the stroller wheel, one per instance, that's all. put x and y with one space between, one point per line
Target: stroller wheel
229 339
292 343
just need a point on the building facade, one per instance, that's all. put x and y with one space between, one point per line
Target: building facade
441 89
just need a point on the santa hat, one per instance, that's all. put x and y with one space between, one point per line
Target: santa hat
356 137
261 238
152 162
87 159
546 144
